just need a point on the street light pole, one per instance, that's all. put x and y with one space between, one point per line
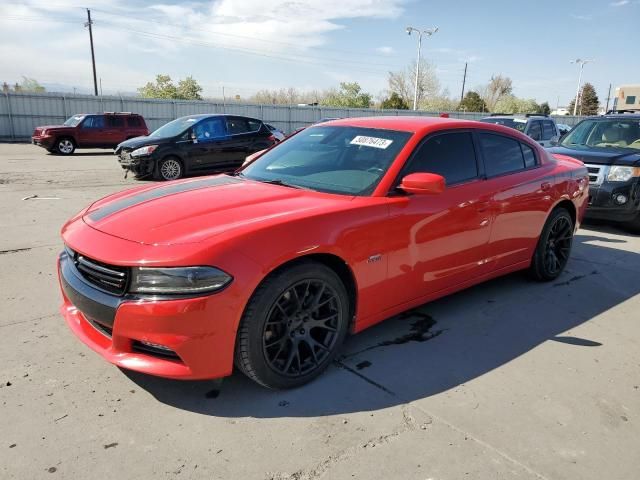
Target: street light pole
428 33
582 63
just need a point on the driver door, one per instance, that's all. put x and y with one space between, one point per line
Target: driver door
440 240
206 148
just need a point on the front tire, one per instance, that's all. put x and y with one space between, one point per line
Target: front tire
293 326
65 146
554 246
169 168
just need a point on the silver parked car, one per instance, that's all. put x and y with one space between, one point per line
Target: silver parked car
539 127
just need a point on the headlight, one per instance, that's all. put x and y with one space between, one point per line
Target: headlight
43 133
622 174
177 280
143 151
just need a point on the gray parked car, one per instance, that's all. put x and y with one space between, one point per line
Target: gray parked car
541 128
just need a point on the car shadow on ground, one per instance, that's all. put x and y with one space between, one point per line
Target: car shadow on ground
83 154
437 346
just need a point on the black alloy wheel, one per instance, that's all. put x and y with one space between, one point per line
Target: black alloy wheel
554 246
293 325
301 328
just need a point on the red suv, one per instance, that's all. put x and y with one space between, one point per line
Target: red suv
100 130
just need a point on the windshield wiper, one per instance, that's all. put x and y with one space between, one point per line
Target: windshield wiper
278 181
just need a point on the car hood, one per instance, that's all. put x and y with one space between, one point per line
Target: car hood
138 142
52 127
602 156
195 210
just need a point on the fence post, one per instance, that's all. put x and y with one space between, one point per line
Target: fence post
121 103
12 128
175 110
290 124
64 106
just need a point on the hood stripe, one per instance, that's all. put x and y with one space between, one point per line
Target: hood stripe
119 205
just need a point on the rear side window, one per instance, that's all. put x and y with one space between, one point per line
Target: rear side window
254 125
134 122
535 131
237 126
451 155
115 121
209 129
529 156
548 130
93 122
502 155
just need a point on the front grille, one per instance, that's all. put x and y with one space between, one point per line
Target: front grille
110 278
596 174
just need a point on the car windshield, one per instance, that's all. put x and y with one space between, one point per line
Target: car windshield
604 133
334 159
73 121
507 122
174 128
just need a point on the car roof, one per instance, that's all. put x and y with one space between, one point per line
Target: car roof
619 116
401 123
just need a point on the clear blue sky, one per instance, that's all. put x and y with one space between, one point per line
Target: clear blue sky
245 45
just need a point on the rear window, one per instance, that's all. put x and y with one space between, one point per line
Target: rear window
507 122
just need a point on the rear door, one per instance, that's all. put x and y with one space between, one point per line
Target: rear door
521 197
245 136
92 131
115 130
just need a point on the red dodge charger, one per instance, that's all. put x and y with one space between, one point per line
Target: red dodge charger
332 231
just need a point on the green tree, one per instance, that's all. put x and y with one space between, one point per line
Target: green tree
545 109
588 101
513 104
31 85
472 103
187 89
394 101
350 95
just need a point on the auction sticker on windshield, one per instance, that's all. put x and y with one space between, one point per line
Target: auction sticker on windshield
371 142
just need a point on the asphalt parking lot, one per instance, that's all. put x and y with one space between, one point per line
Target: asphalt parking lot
511 379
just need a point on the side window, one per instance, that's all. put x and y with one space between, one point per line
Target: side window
501 154
451 155
535 131
237 126
115 121
254 125
548 130
134 122
94 122
529 156
209 129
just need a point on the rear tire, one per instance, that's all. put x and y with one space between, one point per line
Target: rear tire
554 247
293 326
169 168
65 146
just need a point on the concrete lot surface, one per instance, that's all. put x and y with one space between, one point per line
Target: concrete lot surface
508 380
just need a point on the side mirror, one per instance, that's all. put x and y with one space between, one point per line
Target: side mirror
423 183
193 137
555 139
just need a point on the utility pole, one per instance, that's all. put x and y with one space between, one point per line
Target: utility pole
608 98
428 33
93 57
464 80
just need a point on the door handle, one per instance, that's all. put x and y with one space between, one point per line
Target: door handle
545 186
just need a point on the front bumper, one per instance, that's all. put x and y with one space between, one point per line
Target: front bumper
199 332
44 141
602 204
140 167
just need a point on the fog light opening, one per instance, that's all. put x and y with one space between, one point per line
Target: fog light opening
156 345
620 199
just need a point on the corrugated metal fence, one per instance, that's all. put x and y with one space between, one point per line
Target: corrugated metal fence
20 113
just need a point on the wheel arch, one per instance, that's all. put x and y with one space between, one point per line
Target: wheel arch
335 263
568 206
